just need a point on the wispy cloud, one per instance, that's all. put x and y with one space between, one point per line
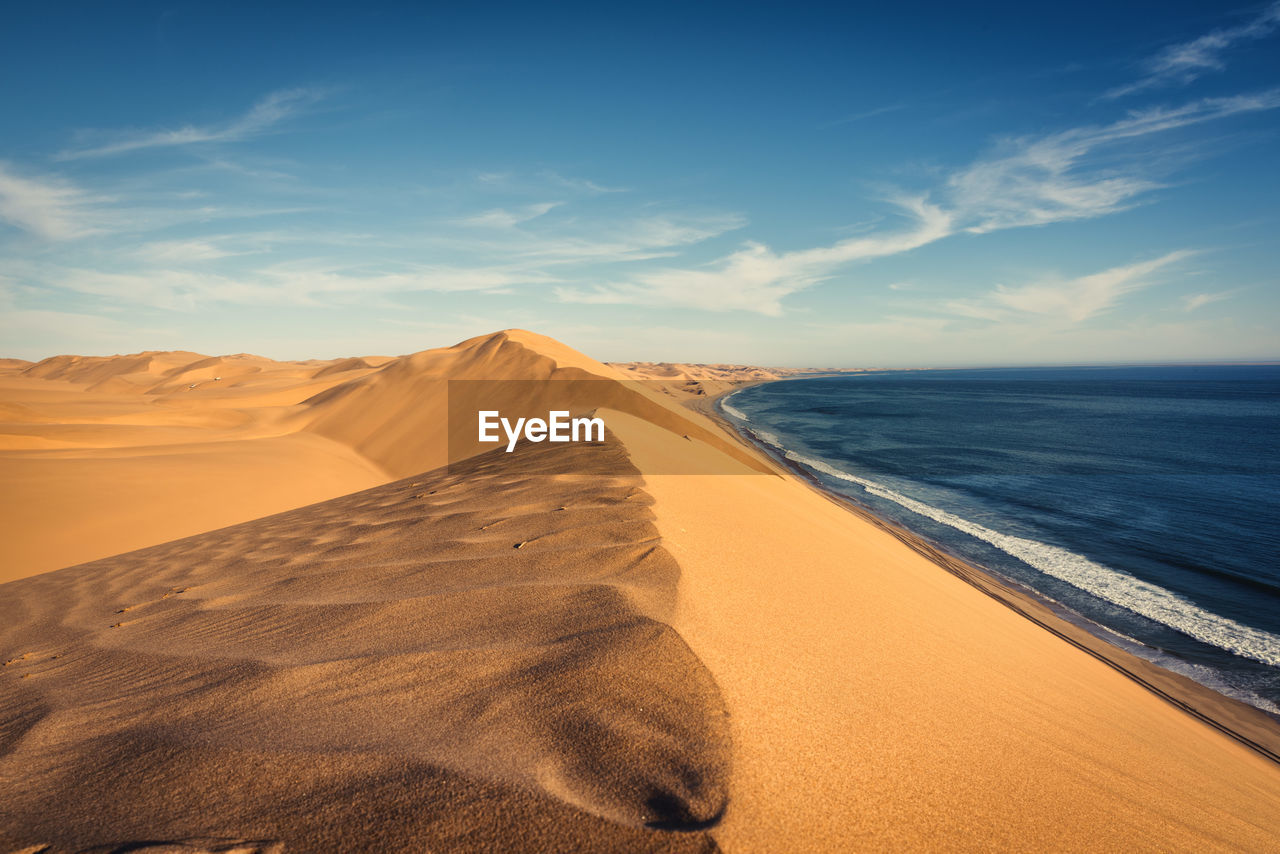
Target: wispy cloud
581 183
863 115
1073 300
260 118
201 251
46 207
1181 64
1056 178
1080 173
242 267
185 251
283 285
628 240
508 217
574 241
755 278
1192 302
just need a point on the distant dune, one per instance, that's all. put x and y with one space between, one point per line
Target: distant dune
107 454
681 379
104 455
459 651
342 366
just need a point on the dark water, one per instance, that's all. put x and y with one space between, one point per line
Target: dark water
1145 500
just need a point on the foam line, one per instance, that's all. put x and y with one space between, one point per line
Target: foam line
736 413
1114 586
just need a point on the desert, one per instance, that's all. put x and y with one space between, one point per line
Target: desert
499 652
577 428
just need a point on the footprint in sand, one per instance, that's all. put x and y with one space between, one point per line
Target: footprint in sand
172 591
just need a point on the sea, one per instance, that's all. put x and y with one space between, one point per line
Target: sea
1140 502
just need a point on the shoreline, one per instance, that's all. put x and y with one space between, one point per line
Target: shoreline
1246 724
519 658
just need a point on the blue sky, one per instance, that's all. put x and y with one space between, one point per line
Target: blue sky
918 185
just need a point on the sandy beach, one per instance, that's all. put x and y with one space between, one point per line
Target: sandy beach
270 606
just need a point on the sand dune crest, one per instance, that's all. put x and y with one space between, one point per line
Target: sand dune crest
391 643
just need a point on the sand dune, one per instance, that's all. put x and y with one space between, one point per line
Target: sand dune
100 456
496 654
685 380
394 417
342 366
700 372
378 672
690 381
106 454
880 703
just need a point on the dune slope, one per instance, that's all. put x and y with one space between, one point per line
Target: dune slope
879 702
497 655
471 661
102 455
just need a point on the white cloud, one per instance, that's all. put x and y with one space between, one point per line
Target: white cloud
1077 173
974 309
285 284
755 278
581 184
204 249
49 208
184 251
1056 178
508 218
1028 181
1181 64
261 117
630 240
183 274
1073 300
574 242
1192 302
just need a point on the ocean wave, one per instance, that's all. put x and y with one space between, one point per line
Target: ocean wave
736 413
766 437
1117 587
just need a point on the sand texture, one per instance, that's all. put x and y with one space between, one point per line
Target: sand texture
101 455
384 671
496 654
690 382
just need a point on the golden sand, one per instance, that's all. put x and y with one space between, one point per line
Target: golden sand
498 655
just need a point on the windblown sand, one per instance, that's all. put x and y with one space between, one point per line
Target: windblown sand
453 662
500 656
